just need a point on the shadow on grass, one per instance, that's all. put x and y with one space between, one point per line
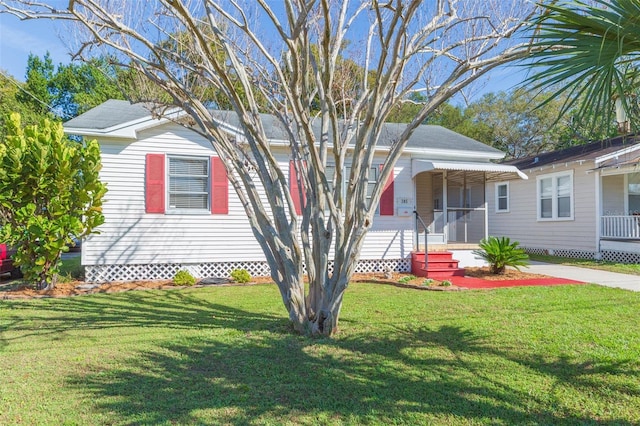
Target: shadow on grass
260 373
279 378
176 309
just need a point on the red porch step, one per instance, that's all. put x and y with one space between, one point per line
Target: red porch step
440 265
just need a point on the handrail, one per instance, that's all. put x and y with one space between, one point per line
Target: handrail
426 231
620 227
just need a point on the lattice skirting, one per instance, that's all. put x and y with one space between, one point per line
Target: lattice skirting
166 271
575 254
621 256
606 255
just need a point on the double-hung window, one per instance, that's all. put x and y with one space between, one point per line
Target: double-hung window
188 188
502 197
555 196
385 208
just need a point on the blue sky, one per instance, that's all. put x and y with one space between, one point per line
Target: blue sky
19 38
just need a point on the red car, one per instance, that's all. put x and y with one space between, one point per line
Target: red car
6 263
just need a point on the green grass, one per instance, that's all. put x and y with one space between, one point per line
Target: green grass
623 268
559 355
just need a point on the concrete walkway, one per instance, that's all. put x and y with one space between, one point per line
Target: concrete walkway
605 278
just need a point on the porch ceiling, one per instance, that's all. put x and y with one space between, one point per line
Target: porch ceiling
496 171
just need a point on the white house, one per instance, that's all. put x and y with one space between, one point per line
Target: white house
169 205
583 201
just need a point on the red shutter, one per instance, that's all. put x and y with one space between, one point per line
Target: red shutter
3 251
386 200
295 185
219 187
154 183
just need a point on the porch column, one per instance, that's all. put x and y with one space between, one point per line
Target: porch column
598 211
445 210
486 208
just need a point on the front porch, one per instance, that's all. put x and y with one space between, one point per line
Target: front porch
619 221
620 211
451 215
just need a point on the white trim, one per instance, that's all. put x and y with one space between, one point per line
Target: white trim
128 130
419 166
554 197
186 210
617 153
598 209
448 153
626 193
497 197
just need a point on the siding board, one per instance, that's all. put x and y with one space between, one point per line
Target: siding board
129 236
521 223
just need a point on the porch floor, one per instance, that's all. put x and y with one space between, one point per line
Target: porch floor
450 246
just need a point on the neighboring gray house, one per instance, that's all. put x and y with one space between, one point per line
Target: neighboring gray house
151 230
582 201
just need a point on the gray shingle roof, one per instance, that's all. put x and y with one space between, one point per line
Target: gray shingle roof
116 112
585 152
108 114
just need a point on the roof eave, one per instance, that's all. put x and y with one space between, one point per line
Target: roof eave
128 130
615 154
455 153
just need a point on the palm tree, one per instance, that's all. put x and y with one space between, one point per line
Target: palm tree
591 53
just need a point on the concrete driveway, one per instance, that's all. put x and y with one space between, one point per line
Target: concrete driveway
596 276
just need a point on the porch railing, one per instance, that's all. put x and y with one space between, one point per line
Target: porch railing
620 227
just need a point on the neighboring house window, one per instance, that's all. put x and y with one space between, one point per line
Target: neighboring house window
502 197
555 196
188 187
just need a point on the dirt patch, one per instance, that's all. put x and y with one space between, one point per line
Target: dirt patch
509 274
19 290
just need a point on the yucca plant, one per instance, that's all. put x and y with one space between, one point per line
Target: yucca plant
500 253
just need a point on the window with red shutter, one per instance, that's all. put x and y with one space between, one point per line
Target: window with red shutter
154 183
219 187
386 200
295 186
181 184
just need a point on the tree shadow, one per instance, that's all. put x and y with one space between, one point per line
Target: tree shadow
263 376
177 309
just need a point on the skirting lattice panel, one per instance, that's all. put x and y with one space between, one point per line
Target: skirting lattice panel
621 257
575 254
166 271
606 255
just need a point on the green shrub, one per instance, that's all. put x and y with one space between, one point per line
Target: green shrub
428 282
50 192
500 253
406 279
240 276
184 277
445 283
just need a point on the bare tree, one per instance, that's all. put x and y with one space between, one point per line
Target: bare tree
287 58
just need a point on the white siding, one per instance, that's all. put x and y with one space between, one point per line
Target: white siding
129 236
613 195
521 223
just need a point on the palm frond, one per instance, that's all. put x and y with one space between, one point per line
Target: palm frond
591 53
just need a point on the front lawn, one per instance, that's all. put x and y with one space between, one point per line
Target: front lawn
528 355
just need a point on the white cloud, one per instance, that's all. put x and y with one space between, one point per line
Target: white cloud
19 38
